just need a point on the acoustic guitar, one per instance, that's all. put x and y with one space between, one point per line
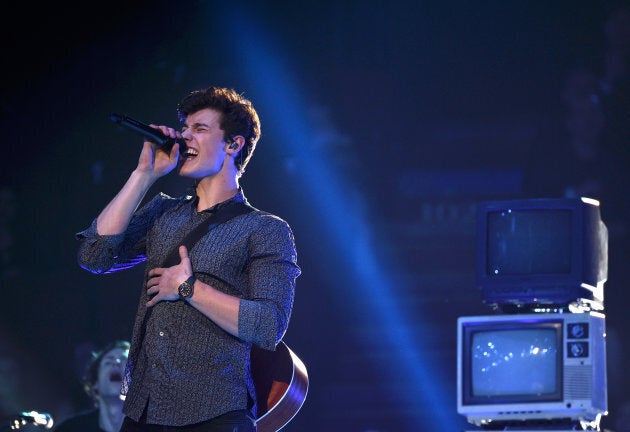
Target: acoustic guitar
281 383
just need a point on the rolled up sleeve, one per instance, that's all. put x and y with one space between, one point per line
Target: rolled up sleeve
273 270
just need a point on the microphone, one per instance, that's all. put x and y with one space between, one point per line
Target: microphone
150 134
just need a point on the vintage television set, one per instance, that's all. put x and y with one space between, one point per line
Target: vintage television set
532 368
543 251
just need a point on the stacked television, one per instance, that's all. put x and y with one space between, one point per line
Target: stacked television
538 361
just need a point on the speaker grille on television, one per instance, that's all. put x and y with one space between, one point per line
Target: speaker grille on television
578 382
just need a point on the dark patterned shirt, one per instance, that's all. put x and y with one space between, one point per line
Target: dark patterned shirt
183 367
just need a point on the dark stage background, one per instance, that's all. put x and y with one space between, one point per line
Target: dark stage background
384 124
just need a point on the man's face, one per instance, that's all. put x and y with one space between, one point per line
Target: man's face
110 372
206 146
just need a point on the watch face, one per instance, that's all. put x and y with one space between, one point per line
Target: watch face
186 288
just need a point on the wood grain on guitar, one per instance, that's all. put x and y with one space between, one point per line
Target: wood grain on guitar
281 385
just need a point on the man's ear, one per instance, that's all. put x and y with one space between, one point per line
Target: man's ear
237 142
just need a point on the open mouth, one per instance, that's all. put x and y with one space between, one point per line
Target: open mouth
190 153
115 376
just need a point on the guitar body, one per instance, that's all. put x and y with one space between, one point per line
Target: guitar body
281 383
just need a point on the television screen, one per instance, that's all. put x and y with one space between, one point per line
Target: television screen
522 242
531 367
516 363
535 252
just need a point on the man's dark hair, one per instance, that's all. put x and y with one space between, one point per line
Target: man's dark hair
238 117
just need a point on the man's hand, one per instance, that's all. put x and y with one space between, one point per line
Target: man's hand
155 161
163 282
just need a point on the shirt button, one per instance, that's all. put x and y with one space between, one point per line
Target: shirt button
154 365
161 333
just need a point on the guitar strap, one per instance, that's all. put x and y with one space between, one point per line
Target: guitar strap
224 214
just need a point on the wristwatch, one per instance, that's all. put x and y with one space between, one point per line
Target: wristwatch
186 288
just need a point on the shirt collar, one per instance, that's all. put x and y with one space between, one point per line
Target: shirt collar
239 197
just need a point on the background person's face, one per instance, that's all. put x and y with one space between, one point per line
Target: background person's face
110 372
